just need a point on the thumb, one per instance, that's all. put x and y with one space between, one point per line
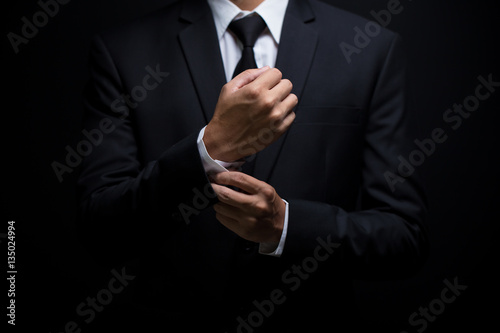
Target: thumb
247 77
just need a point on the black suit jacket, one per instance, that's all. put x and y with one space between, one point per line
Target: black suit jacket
352 123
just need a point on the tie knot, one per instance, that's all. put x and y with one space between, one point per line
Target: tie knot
248 29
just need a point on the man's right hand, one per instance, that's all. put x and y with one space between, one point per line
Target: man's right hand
254 109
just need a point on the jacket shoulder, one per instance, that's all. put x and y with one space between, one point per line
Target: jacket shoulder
344 21
149 27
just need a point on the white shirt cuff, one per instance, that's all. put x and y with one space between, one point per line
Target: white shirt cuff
210 165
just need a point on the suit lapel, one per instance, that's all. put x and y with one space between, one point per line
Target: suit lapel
295 55
201 48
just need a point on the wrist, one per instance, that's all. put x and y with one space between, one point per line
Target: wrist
280 221
217 147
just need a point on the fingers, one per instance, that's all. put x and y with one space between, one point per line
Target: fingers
247 77
226 221
228 212
282 89
265 77
279 90
290 102
268 79
266 84
287 106
230 197
238 179
283 115
255 189
258 216
281 127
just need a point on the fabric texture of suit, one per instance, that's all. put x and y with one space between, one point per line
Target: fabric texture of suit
352 123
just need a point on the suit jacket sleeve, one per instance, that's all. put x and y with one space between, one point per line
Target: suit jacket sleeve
386 234
122 200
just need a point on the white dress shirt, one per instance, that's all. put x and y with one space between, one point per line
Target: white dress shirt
265 50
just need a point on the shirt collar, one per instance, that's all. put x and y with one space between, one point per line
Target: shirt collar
271 11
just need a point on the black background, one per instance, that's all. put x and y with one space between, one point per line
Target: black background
449 44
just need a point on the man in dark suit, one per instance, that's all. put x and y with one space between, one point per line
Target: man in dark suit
250 203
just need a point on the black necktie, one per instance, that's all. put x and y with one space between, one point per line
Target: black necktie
247 30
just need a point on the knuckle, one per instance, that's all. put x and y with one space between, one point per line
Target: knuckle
267 102
238 177
277 72
274 123
249 71
260 208
253 92
225 89
223 194
268 192
276 116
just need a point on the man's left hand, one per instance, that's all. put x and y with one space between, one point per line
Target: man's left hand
257 213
